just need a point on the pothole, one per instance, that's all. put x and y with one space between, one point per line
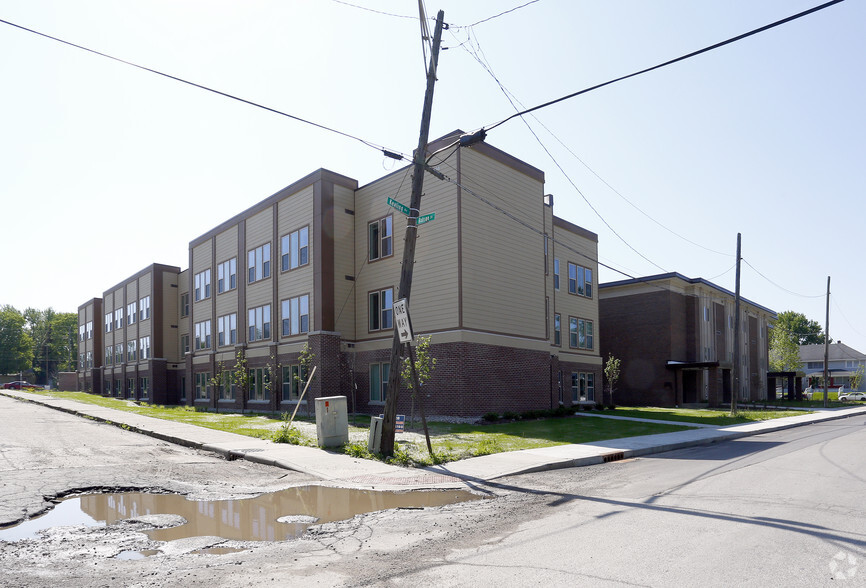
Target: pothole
276 516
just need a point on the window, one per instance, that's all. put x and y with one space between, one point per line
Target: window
202 335
130 351
109 355
259 263
143 386
202 381
89 359
227 386
227 275
108 322
184 343
582 386
580 333
202 285
295 315
81 332
260 384
294 249
579 280
183 387
381 313
706 314
184 304
89 328
118 353
555 274
118 318
380 233
294 380
81 361
557 329
117 387
227 329
131 313
259 323
130 387
144 347
144 308
379 373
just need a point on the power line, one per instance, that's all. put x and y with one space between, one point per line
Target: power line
508 96
777 285
670 62
376 11
853 328
388 152
489 18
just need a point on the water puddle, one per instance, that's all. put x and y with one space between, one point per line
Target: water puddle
275 516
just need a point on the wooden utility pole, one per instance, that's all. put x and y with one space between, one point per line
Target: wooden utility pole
388 424
827 348
737 355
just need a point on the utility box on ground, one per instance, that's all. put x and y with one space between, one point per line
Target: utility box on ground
332 421
374 440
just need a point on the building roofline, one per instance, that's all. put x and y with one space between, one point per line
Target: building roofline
151 268
679 276
320 175
576 229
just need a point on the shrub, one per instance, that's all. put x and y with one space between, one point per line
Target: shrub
289 435
491 417
511 416
599 406
611 406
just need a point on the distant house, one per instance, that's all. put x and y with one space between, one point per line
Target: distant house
843 363
675 338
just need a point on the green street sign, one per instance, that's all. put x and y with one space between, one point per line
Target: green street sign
399 206
426 218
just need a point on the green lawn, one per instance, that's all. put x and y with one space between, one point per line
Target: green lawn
706 416
450 441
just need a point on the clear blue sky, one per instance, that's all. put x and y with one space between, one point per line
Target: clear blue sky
104 168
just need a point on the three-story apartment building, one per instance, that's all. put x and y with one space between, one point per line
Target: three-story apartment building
505 289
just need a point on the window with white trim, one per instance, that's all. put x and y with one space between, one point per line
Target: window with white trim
580 333
88 326
118 353
380 235
260 384
144 308
295 315
582 387
144 347
259 322
295 249
202 385
259 263
184 304
202 335
131 351
294 380
579 280
227 275
557 329
131 313
81 332
202 285
381 309
118 319
108 322
227 329
555 274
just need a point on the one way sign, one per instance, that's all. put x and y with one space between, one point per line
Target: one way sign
402 322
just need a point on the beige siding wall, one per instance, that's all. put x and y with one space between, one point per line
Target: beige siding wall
293 213
503 262
434 302
569 247
183 324
260 230
202 259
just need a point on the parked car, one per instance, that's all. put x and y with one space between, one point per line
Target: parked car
18 385
852 395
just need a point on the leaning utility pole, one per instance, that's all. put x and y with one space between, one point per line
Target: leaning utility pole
387 445
827 348
737 355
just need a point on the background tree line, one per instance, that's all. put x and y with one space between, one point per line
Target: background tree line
37 343
791 330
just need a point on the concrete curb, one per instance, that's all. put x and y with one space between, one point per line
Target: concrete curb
333 468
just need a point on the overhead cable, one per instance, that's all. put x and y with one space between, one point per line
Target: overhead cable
387 152
670 62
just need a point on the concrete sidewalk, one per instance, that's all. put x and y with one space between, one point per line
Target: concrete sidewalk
342 470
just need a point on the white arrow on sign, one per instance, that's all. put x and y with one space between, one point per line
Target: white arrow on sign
401 320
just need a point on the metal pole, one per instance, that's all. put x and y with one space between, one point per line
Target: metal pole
737 354
388 423
827 348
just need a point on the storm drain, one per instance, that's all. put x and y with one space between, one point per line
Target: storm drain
614 456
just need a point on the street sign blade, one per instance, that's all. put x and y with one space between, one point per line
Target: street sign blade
399 206
426 218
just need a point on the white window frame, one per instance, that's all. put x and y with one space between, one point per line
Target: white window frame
227 275
131 313
227 329
379 390
295 249
202 335
295 315
202 285
380 312
380 238
144 308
